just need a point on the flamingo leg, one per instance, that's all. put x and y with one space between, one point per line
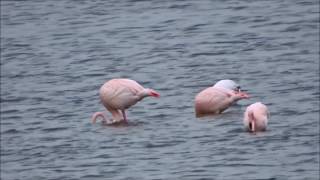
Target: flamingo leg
124 115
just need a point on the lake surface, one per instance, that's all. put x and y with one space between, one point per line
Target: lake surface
55 55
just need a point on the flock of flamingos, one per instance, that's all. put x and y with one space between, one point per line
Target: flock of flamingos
117 95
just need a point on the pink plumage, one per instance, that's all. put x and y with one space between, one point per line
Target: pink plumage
117 95
256 117
216 99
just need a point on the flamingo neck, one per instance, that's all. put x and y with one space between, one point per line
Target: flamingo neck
252 122
96 115
253 126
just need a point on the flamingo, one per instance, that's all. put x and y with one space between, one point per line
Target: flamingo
216 99
228 84
117 95
256 117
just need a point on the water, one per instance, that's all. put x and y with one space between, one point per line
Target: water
56 54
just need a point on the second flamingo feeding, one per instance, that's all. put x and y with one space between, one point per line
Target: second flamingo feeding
217 98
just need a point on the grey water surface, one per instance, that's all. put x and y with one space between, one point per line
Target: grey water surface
55 55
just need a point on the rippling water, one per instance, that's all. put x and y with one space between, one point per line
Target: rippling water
56 54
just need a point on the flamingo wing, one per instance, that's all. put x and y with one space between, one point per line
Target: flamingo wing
212 100
120 93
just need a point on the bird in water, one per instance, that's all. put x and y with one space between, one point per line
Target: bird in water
117 95
216 99
256 117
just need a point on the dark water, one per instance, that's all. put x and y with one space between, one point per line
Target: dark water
56 54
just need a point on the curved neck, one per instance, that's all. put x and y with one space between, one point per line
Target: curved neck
96 115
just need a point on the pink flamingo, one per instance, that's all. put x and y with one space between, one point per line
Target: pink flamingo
117 95
256 117
216 99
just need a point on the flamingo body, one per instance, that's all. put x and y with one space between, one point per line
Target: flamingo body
256 117
120 93
117 95
216 99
